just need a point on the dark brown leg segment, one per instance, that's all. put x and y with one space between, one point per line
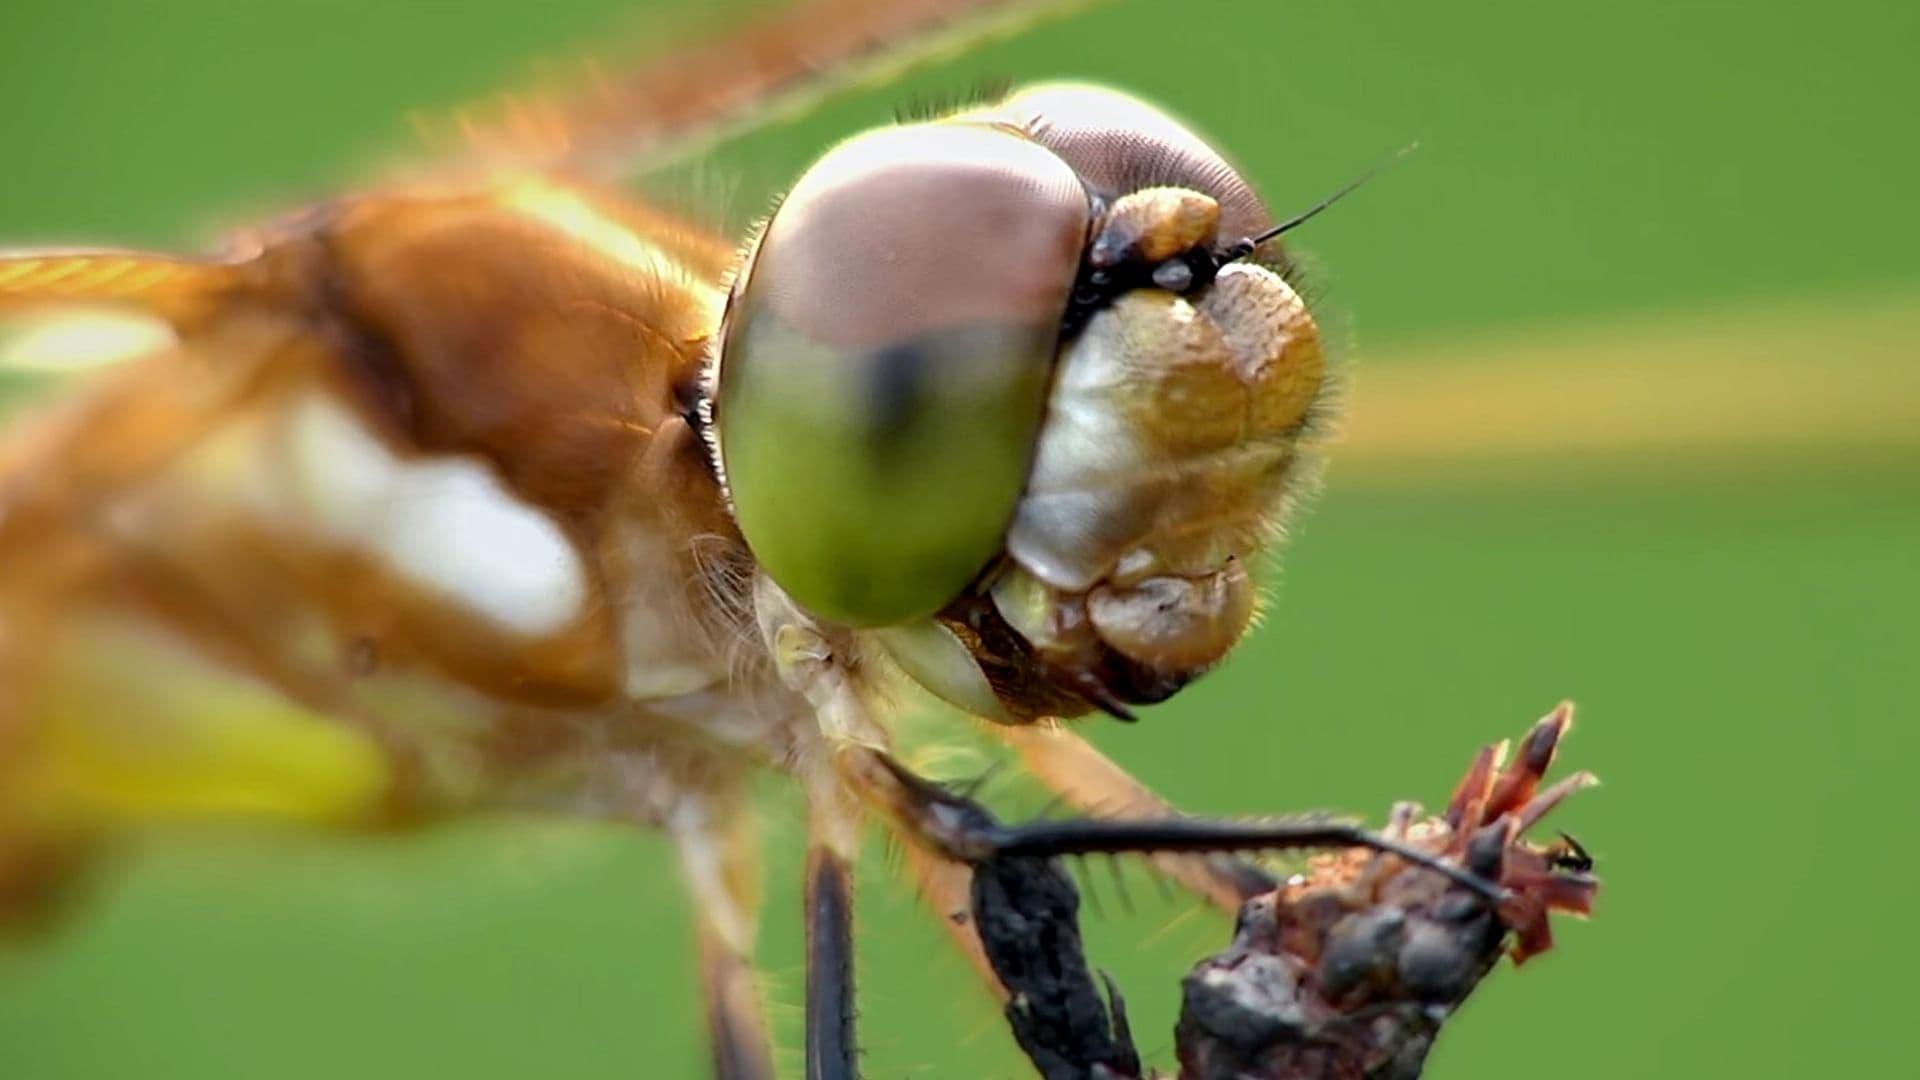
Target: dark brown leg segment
966 832
831 1050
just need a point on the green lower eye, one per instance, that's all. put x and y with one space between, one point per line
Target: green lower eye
885 362
873 485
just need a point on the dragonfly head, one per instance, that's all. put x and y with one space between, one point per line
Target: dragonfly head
1005 390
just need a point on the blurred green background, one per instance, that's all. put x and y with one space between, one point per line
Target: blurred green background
1637 324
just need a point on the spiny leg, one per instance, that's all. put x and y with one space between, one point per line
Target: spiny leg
1094 784
1090 782
832 1051
1024 909
965 831
818 667
719 859
944 887
850 758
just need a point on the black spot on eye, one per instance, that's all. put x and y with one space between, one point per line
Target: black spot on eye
896 395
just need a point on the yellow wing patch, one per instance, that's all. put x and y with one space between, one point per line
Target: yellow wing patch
132 727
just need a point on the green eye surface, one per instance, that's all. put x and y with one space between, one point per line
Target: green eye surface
886 361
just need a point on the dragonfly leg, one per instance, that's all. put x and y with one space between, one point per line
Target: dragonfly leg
965 831
816 664
719 860
1024 910
1092 783
849 766
945 890
832 1051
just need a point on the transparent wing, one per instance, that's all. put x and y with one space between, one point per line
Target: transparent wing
671 108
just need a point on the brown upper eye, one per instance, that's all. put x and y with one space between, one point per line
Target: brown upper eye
1120 144
906 230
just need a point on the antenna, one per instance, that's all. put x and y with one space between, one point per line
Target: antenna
1245 246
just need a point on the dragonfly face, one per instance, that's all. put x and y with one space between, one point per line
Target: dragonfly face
990 374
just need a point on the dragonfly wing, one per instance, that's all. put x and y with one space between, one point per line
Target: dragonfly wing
671 108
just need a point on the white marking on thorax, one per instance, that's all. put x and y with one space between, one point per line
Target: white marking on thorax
447 524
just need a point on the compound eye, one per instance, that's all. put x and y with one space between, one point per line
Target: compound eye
1120 144
885 362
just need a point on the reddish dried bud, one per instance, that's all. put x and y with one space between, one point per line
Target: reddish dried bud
1350 970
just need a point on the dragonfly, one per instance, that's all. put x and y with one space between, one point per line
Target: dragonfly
499 487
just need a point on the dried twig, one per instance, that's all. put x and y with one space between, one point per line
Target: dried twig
1346 971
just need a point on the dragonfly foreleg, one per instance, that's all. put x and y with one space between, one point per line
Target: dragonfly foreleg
832 1050
966 831
719 860
1095 785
